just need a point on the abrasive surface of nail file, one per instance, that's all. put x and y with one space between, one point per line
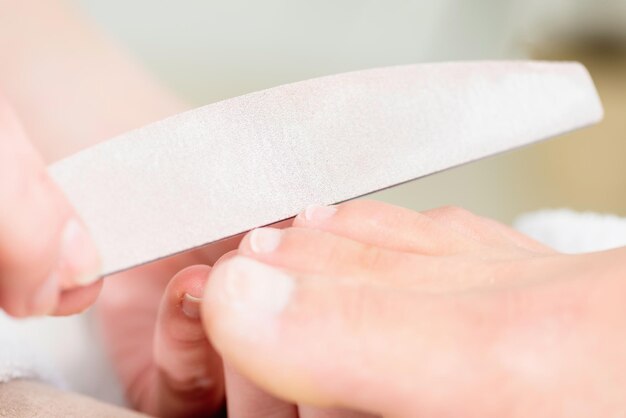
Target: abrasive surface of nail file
228 167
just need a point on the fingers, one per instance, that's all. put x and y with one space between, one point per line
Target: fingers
309 251
334 342
335 311
313 251
44 247
381 224
189 371
441 231
247 400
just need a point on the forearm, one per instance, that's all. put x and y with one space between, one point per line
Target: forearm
70 86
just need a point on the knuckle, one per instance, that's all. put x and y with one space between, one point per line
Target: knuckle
455 212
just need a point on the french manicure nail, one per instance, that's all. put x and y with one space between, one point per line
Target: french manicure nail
319 213
45 299
255 289
265 240
191 306
78 254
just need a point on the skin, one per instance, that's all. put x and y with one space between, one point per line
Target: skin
46 255
62 88
51 108
443 313
374 308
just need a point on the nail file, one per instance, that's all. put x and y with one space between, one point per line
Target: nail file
223 169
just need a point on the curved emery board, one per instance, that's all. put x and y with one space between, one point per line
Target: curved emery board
228 167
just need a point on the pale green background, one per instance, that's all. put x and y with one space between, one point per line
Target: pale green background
211 50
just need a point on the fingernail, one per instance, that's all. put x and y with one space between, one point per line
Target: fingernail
265 240
78 254
319 213
191 306
255 289
46 297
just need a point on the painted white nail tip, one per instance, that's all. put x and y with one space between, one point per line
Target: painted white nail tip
319 213
265 240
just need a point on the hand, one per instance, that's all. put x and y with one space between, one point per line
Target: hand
442 313
152 328
55 100
48 263
158 344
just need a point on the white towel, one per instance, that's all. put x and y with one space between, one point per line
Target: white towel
67 352
573 232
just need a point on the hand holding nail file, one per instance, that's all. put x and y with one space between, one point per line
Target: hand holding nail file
253 160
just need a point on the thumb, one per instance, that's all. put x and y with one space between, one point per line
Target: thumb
338 342
44 247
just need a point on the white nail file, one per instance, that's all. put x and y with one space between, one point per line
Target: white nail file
228 167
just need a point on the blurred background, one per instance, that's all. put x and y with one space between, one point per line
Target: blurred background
212 50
